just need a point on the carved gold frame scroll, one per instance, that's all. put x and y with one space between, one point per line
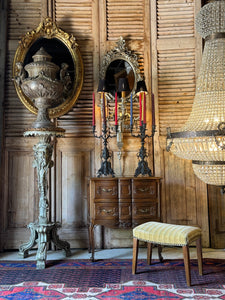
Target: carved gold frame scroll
62 45
121 52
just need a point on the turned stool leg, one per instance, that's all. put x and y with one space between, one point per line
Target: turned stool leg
149 253
135 255
160 253
199 254
187 264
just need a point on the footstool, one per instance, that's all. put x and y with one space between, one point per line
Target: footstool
170 235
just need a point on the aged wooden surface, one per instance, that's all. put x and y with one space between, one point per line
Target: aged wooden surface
162 33
123 202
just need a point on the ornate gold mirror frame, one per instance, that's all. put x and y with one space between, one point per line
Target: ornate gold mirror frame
121 55
64 49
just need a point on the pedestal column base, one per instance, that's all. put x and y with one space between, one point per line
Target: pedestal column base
41 235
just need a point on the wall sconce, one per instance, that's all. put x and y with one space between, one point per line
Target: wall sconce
202 138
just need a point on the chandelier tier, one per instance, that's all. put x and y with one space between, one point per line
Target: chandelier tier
202 138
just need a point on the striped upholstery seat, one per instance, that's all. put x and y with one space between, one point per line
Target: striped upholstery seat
166 234
171 235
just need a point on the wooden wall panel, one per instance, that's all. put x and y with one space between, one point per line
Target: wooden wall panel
20 196
184 196
217 216
73 165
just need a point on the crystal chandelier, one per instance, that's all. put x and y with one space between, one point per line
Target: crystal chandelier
202 138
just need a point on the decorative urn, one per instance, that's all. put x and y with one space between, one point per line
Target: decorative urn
42 86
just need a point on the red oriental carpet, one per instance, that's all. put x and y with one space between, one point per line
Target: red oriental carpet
110 279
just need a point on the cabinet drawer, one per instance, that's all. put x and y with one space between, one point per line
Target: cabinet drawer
144 189
124 189
106 211
143 212
106 189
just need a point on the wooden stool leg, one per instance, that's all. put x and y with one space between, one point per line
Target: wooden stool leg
199 254
160 253
149 253
135 255
187 264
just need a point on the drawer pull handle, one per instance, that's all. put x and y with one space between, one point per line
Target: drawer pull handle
143 190
109 211
144 210
106 190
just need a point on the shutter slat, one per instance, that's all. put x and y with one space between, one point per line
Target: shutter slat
176 62
78 18
125 18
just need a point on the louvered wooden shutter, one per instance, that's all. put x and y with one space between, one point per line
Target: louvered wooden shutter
175 62
129 19
23 16
76 17
125 18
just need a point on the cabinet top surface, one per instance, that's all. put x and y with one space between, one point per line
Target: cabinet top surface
128 177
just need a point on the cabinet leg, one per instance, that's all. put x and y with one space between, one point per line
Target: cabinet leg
91 241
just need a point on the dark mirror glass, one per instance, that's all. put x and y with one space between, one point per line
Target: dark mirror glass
59 52
117 69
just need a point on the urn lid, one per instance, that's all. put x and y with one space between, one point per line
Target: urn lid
41 55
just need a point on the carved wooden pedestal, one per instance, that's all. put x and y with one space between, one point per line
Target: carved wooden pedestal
41 235
122 203
43 231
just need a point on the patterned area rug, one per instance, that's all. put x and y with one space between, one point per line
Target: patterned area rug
111 279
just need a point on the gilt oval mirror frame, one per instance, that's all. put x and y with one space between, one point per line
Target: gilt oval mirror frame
63 49
120 63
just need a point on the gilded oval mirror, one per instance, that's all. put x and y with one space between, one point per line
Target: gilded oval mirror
120 63
63 49
119 68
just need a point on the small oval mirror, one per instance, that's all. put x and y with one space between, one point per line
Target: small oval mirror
120 63
117 69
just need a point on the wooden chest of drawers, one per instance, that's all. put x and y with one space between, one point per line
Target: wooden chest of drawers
122 203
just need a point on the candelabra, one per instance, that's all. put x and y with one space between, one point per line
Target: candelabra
105 168
142 167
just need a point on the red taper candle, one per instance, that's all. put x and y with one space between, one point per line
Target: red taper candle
140 106
144 120
103 107
93 109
